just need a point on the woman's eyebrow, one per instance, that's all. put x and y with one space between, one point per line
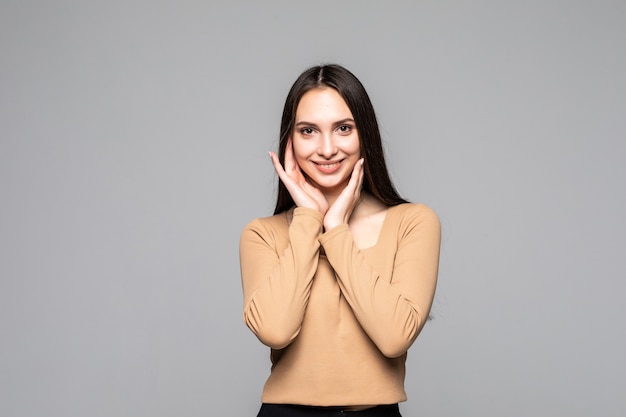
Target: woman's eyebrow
346 120
338 122
304 122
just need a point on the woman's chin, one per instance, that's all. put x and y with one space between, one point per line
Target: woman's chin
331 187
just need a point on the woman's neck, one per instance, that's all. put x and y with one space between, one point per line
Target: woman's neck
366 206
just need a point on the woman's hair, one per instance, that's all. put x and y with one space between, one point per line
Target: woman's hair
376 179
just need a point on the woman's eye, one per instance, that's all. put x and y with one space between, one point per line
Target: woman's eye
306 131
345 128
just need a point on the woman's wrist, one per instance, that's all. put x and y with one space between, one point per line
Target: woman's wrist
332 223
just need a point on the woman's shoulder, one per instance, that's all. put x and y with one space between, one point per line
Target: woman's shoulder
268 224
413 210
413 219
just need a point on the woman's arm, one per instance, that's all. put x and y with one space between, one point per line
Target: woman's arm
393 312
277 273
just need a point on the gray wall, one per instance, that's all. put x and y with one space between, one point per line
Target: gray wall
133 149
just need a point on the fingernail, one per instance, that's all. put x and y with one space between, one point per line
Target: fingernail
269 153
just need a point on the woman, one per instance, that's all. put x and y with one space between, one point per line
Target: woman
340 281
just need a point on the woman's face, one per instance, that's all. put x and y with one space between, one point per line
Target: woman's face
325 140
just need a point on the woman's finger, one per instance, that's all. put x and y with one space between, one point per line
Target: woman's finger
290 161
277 166
356 179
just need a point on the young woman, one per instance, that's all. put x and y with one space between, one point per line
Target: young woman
340 281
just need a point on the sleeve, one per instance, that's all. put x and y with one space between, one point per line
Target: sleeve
392 312
276 286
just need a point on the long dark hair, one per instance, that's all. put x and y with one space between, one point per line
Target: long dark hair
376 178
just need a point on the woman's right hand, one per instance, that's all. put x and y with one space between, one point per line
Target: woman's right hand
303 193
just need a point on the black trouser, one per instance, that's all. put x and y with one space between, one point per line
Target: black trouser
287 410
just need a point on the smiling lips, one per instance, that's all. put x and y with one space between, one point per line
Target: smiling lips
328 167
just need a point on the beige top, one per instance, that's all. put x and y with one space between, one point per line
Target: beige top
339 320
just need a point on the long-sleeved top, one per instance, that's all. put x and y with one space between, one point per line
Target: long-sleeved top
339 320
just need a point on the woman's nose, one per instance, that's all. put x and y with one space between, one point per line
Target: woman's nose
327 146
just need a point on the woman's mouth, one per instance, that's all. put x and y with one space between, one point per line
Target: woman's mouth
328 167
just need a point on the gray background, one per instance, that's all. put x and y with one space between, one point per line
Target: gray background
134 138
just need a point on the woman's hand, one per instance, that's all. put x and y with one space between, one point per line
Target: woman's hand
342 208
303 193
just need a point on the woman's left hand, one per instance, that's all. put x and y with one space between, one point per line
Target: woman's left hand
341 210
